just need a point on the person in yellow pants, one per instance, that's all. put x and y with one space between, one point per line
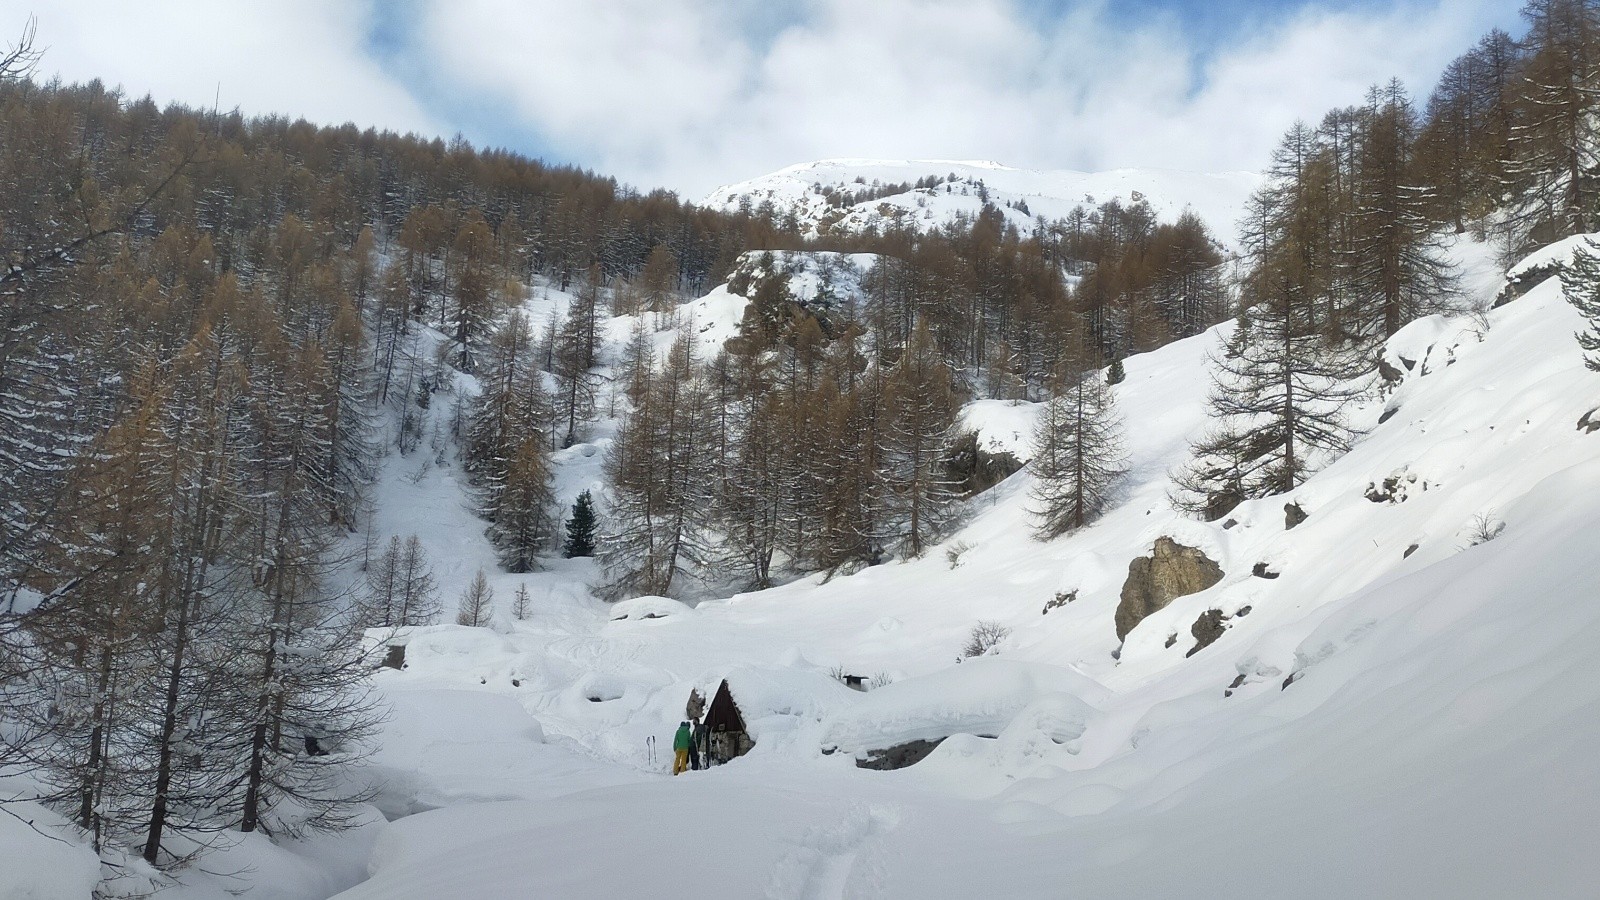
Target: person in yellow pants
680 750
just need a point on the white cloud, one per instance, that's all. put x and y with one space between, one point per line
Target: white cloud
687 94
667 92
628 70
300 58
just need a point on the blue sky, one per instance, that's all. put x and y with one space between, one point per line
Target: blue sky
690 94
1215 19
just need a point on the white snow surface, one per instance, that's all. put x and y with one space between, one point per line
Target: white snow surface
981 698
1404 712
1002 426
1553 256
1218 198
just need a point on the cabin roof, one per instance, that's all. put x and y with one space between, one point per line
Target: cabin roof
724 712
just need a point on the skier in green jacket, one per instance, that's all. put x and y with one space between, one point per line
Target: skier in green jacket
680 750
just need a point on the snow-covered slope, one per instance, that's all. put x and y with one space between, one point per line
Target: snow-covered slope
865 196
1406 710
1436 739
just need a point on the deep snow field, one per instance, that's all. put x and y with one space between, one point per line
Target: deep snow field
1440 736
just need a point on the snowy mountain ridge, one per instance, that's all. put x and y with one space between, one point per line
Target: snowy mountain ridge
854 195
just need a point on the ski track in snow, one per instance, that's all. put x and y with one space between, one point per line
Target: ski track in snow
838 861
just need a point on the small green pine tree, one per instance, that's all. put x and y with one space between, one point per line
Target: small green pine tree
1115 374
581 528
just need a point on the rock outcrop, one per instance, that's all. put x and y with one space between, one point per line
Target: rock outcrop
1293 514
899 756
1169 572
1396 488
1206 629
974 469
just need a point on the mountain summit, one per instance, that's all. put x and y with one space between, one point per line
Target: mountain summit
850 196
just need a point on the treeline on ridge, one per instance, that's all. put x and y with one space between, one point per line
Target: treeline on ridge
1347 241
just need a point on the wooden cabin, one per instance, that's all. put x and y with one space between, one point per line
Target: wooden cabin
727 736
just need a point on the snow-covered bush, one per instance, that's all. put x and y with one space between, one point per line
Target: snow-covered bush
954 552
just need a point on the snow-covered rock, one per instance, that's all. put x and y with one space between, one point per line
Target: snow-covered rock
981 697
1542 264
1002 426
641 609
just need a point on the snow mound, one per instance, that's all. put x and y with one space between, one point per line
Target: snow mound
1002 426
1552 257
450 746
982 697
37 862
641 609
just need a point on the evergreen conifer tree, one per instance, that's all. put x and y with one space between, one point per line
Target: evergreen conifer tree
581 528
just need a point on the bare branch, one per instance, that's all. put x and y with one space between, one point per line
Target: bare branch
21 57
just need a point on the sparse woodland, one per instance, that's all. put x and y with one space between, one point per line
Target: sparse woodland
1345 243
